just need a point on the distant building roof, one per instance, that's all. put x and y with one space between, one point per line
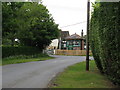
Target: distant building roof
64 34
74 36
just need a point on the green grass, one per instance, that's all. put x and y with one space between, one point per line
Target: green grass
76 77
24 59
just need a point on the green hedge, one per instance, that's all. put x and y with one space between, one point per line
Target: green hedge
105 38
21 50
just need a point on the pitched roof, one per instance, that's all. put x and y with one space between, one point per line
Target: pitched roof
74 36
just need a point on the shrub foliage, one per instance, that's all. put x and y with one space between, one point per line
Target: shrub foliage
105 38
21 50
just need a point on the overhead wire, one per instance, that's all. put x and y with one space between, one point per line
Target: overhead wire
73 24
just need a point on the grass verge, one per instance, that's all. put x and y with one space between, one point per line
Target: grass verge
76 77
24 59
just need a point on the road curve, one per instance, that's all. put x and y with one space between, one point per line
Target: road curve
36 74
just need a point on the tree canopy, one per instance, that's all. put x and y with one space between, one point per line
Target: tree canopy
9 21
29 22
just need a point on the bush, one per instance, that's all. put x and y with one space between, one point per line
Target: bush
105 39
8 51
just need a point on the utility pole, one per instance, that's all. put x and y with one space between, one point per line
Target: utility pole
87 41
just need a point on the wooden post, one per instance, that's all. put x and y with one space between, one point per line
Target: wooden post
87 41
60 43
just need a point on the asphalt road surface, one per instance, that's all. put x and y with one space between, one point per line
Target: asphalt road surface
36 74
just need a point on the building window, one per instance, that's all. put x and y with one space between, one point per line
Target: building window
67 42
70 43
74 43
77 43
64 45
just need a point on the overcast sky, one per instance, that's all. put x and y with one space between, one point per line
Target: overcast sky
69 12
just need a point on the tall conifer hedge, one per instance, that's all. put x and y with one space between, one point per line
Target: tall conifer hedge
105 38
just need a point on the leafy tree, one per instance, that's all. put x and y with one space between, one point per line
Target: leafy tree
9 20
41 28
30 22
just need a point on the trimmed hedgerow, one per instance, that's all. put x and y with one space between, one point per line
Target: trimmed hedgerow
105 38
21 50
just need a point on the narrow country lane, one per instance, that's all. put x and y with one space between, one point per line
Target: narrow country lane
35 74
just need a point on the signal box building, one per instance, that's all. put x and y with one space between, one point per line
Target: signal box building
73 42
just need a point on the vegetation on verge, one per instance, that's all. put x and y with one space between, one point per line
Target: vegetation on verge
25 58
105 39
8 51
27 29
77 77
22 54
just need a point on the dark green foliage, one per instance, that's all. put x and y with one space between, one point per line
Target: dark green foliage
41 26
25 56
15 51
10 21
105 38
29 22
